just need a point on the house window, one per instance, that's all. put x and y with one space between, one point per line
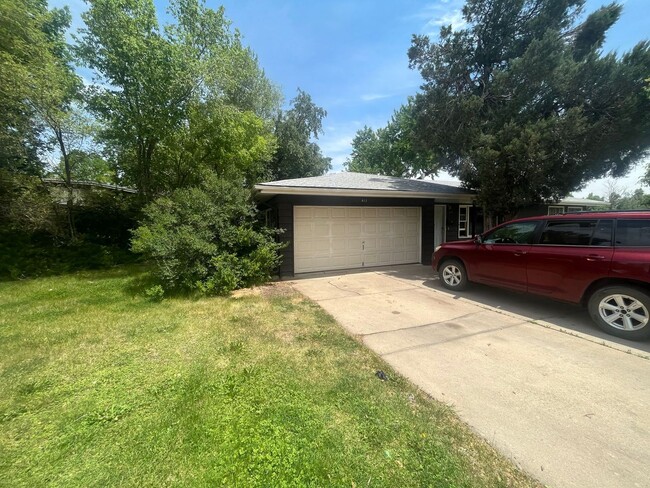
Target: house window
463 221
574 209
555 210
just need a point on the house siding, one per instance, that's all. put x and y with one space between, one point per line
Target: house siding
285 222
427 232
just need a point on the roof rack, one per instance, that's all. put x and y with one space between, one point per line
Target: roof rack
608 211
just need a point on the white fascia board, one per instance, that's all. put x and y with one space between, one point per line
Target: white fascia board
344 192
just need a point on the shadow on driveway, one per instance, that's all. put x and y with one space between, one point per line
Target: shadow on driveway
565 315
560 314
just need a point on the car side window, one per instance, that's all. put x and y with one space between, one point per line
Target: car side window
633 233
516 233
603 233
568 233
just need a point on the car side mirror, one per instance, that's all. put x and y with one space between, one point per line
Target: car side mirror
478 240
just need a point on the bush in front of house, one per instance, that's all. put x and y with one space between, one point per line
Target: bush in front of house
207 239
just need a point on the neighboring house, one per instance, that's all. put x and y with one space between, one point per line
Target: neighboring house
566 205
81 189
354 220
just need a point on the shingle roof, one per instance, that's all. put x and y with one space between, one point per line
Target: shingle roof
361 181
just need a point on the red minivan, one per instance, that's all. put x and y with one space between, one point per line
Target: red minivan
598 259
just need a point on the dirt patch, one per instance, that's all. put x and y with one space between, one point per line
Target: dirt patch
270 290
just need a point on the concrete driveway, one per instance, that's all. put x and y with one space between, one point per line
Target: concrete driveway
567 403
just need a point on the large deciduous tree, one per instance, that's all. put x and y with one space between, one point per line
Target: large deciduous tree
30 53
153 80
522 103
297 154
39 91
392 150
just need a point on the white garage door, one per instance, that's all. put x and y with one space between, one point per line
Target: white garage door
327 238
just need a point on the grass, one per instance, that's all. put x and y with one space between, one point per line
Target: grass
102 387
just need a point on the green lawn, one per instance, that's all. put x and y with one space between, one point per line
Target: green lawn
101 387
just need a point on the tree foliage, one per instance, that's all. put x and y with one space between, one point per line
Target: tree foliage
34 77
392 150
40 94
153 81
297 154
621 198
523 104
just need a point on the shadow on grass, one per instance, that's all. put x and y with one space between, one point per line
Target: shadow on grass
26 256
144 279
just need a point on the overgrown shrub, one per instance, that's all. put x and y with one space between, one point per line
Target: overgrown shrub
207 239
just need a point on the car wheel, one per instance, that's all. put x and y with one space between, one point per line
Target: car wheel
621 311
453 275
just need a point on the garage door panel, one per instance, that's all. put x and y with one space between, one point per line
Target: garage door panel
411 242
302 228
330 238
369 213
353 229
354 213
355 245
370 244
370 228
303 213
411 256
321 230
338 230
412 229
339 245
321 212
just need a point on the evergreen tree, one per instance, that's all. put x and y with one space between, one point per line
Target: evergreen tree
523 105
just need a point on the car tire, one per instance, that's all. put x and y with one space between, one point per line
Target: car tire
453 275
622 311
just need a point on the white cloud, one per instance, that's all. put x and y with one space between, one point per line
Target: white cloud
441 13
374 96
337 145
455 19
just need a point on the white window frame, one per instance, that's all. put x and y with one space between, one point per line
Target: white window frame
574 209
466 234
555 207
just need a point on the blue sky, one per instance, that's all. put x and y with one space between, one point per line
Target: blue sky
350 56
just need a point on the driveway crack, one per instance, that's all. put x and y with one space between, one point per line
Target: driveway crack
343 289
420 326
452 339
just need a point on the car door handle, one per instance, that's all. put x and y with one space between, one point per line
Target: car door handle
520 253
595 257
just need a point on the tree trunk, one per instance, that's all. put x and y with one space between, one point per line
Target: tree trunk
68 184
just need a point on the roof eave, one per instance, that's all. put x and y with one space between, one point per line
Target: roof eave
272 190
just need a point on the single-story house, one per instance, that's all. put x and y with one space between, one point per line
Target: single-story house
355 220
